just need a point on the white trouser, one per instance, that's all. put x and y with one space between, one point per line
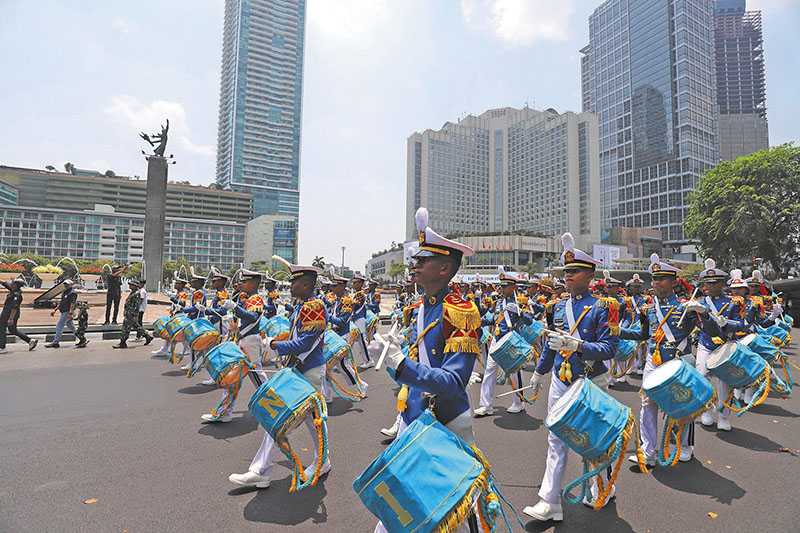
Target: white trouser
164 348
648 420
265 457
719 385
461 426
489 382
360 350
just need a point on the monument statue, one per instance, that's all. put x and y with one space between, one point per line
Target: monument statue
159 138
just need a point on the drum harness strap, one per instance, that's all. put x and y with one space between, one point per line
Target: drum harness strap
661 333
565 370
413 354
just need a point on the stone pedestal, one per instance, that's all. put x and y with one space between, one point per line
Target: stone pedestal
154 221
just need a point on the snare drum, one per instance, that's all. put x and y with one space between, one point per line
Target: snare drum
276 327
227 364
762 346
283 403
510 352
201 335
426 480
736 364
678 389
625 350
372 324
531 332
176 326
159 327
334 347
777 335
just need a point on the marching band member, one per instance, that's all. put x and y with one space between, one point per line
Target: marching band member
248 310
178 297
216 311
373 297
271 299
507 317
358 325
614 291
722 317
667 338
340 318
580 351
633 306
444 340
303 350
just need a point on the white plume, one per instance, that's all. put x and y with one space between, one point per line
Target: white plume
636 277
736 274
710 263
501 269
568 241
191 270
758 276
422 218
654 259
282 261
606 275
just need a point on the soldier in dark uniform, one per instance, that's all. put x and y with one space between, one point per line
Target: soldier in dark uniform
131 319
10 314
83 324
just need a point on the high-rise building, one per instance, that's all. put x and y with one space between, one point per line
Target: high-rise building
648 73
741 79
261 89
507 170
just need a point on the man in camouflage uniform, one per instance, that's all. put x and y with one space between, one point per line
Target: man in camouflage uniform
131 320
83 324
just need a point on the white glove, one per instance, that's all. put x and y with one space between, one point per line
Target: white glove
229 304
559 343
720 320
512 308
200 307
696 307
537 380
777 310
267 341
393 360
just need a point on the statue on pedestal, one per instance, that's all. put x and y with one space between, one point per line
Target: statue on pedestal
157 140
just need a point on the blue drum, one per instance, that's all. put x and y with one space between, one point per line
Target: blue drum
176 326
160 327
201 335
426 479
678 389
227 364
511 352
736 364
625 350
531 332
777 335
283 403
372 321
334 347
276 327
486 336
762 346
588 420
787 322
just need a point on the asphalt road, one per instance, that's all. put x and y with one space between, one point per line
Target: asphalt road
124 429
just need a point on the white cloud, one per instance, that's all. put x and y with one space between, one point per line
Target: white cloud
120 25
130 112
520 22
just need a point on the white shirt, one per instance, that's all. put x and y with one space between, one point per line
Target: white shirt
143 296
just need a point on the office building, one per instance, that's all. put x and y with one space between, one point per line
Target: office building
507 170
9 195
103 233
64 190
648 73
261 88
741 79
269 235
379 266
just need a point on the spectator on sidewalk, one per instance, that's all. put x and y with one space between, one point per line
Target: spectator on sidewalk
131 316
142 309
66 306
10 314
113 283
83 324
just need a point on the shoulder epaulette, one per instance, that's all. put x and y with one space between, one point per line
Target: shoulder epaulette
312 316
462 314
254 303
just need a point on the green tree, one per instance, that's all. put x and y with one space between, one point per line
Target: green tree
750 207
396 270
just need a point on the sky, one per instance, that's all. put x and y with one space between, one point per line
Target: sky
79 84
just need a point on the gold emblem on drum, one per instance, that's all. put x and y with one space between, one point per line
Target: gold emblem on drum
680 393
576 438
736 372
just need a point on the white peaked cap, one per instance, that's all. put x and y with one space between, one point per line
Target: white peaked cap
432 244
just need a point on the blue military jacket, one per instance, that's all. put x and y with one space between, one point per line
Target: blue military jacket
305 342
451 346
670 311
249 313
503 315
341 314
731 308
598 342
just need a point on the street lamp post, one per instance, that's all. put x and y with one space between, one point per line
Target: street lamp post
343 249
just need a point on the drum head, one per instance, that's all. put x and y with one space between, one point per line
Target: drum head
498 344
721 355
661 374
563 404
747 339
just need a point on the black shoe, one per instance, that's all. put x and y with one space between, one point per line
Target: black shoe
32 344
121 345
105 323
52 345
82 344
113 321
148 340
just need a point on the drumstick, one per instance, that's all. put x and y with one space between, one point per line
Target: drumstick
680 322
509 393
386 346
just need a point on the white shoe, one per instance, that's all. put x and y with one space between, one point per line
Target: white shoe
590 503
723 424
623 379
707 419
249 479
185 367
483 411
544 511
208 418
209 382
368 364
475 378
648 461
687 453
326 467
637 372
390 432
513 409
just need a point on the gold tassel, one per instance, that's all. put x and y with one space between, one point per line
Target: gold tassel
463 343
657 356
402 399
464 317
314 325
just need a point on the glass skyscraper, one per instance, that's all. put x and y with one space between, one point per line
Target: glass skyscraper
260 108
648 73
